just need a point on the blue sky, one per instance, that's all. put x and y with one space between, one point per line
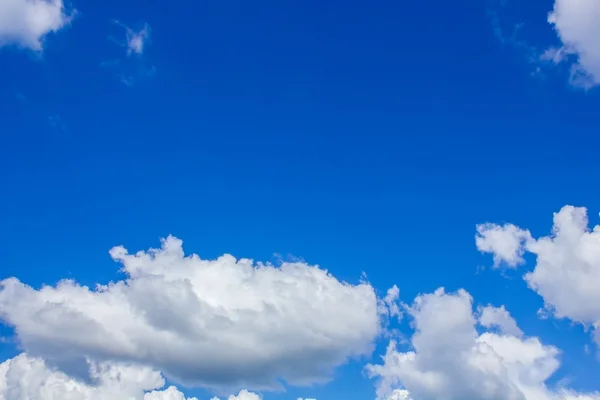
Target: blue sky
366 138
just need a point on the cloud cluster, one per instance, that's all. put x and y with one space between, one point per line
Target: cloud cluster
221 323
229 323
567 269
450 360
26 23
27 378
576 24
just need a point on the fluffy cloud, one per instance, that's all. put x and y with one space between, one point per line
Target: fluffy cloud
25 23
243 395
567 269
505 242
27 378
499 317
399 394
450 360
218 323
576 23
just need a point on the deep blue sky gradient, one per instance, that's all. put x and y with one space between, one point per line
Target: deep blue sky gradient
361 136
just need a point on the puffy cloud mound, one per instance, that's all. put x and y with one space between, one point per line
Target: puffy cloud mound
499 317
449 360
505 242
243 395
27 378
26 22
221 323
576 23
399 394
567 269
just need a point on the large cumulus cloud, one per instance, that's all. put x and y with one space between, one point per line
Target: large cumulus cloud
450 360
216 323
567 269
27 378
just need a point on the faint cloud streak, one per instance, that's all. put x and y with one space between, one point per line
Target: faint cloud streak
131 67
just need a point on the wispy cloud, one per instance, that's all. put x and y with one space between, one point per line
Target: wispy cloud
577 29
131 67
135 41
512 35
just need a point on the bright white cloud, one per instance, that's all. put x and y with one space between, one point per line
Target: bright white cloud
27 378
243 395
449 360
217 323
26 23
389 304
505 242
577 24
567 269
399 394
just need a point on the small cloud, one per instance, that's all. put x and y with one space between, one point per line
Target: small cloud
555 55
26 23
137 40
131 70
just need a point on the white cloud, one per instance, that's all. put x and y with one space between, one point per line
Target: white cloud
449 360
27 378
222 323
399 394
499 317
132 67
26 23
136 40
567 270
576 24
505 242
243 395
389 304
